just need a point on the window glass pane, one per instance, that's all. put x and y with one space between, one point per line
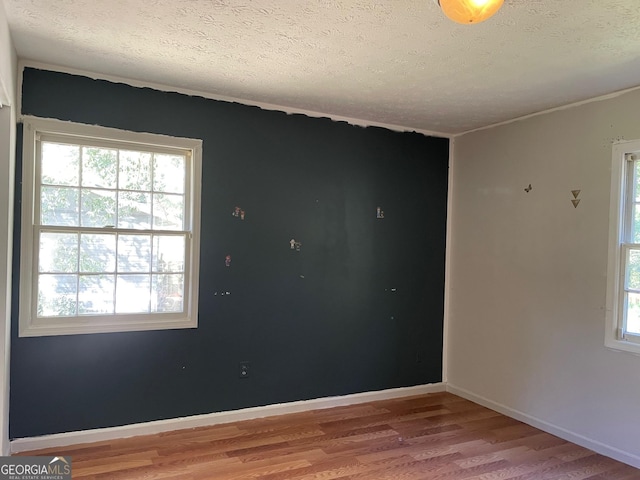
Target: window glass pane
57 295
95 294
99 167
134 253
633 313
168 173
135 170
636 180
60 164
98 208
167 293
58 252
134 210
97 252
168 253
133 293
633 269
59 206
635 228
168 212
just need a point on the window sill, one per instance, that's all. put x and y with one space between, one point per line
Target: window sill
91 327
623 346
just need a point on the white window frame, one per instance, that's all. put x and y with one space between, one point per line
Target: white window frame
29 324
620 221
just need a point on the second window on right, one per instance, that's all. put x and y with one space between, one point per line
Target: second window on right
623 295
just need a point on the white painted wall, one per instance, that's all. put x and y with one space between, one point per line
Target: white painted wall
527 279
8 78
8 64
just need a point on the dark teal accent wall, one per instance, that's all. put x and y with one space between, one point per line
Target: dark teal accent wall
359 308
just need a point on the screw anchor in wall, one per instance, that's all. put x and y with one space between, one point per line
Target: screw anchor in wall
238 213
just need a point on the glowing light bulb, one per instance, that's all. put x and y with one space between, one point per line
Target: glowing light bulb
470 11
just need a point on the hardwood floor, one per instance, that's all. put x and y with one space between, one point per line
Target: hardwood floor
431 437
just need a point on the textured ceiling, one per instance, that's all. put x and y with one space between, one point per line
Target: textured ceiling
397 62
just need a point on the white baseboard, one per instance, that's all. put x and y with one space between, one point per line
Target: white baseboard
563 433
159 426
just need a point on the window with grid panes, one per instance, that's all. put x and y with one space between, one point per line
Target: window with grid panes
110 226
623 292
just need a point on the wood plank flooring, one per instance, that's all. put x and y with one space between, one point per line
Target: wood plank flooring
431 437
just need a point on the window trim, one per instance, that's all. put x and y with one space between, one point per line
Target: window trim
29 324
621 191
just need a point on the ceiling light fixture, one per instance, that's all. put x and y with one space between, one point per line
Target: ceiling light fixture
469 11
